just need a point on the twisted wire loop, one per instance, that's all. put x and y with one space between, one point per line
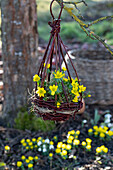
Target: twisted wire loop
48 109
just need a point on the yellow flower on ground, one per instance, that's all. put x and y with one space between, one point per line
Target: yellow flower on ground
58 150
68 147
105 128
36 157
53 89
64 69
65 79
78 132
95 133
102 135
64 152
30 158
23 157
41 91
27 160
88 147
72 132
95 127
43 140
59 75
88 140
63 146
7 148
89 95
90 130
76 142
36 78
59 144
110 133
98 150
69 141
51 143
83 143
24 144
30 143
82 88
71 138
22 141
28 140
30 165
34 139
51 155
105 150
19 164
27 147
58 104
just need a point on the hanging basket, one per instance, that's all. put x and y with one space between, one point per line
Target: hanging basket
56 96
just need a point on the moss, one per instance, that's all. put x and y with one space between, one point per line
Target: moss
25 120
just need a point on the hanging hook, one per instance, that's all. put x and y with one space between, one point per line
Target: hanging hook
60 10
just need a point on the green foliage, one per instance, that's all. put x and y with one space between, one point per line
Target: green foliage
96 118
29 121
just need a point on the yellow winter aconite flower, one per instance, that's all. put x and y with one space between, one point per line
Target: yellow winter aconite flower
59 145
28 140
34 139
75 85
68 147
110 133
82 88
7 148
89 95
102 135
22 141
58 104
88 140
36 157
53 89
30 143
63 146
58 150
83 143
75 99
27 160
64 152
88 147
78 132
19 164
36 78
95 133
95 127
48 65
69 141
65 79
30 165
90 130
59 75
30 158
51 143
105 150
64 69
74 91
23 157
98 150
41 91
51 155
24 144
71 138
76 142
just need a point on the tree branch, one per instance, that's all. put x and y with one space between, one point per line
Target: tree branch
85 27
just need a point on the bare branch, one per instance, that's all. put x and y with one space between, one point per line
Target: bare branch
85 27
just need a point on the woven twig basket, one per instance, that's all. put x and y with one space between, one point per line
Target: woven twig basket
48 109
95 69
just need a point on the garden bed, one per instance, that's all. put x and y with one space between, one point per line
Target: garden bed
83 158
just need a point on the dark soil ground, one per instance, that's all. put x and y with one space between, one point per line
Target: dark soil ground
85 160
